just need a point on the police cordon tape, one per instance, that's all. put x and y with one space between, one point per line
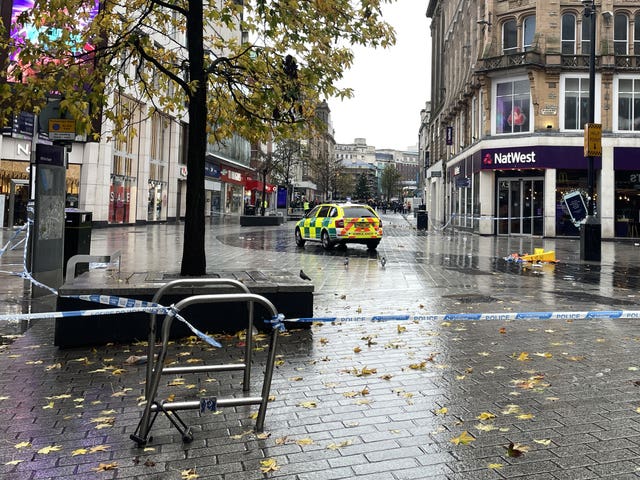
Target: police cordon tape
586 315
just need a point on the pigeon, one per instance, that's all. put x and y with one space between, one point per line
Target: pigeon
304 276
383 261
346 261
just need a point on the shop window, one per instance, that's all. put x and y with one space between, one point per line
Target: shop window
568 34
509 37
620 34
628 105
576 102
513 107
627 203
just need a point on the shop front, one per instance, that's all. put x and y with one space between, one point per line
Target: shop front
521 191
627 192
254 189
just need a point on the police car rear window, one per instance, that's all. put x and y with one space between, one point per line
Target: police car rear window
357 212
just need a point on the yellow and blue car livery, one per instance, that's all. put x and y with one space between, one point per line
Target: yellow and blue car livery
338 224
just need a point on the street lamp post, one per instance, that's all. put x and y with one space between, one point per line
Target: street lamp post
590 231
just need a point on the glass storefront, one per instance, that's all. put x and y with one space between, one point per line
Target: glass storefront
156 205
627 203
121 199
520 206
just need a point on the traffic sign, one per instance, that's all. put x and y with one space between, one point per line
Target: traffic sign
592 139
62 129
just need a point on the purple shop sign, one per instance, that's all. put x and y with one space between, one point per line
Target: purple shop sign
626 158
536 157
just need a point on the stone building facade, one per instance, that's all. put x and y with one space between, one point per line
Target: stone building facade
509 102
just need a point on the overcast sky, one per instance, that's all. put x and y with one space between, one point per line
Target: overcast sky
390 86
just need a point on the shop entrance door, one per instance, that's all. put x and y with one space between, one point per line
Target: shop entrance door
520 206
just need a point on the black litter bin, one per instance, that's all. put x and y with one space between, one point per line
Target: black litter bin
249 209
77 237
422 220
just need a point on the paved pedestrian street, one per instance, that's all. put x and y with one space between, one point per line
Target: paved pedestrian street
416 399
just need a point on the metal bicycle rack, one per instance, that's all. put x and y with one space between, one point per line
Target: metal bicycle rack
154 407
199 282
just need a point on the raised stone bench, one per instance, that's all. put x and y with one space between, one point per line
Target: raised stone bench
261 221
290 295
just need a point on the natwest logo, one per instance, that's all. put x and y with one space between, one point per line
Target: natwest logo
498 159
514 158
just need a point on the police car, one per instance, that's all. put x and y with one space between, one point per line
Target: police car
338 224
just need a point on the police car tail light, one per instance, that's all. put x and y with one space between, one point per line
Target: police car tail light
340 223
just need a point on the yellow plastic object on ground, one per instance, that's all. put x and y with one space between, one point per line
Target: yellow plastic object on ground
539 255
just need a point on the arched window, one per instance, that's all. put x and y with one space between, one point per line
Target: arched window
509 37
568 34
586 36
620 34
529 33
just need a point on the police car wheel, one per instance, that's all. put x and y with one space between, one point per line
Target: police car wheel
326 241
299 240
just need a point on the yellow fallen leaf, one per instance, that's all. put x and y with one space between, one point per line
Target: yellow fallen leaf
545 442
4 398
495 466
253 415
484 427
442 411
525 416
49 449
523 357
485 416
14 462
102 448
269 465
308 404
55 366
463 439
511 409
118 371
79 451
189 474
48 406
304 441
336 446
103 467
22 445
460 377
401 329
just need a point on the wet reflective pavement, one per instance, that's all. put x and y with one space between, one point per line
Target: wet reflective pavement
383 400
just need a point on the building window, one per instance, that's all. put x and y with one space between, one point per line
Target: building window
628 115
509 37
513 106
636 35
586 37
620 35
576 102
568 34
529 34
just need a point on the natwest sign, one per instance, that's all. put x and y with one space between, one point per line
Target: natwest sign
509 158
536 156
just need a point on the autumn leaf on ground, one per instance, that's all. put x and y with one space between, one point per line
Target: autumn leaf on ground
495 466
401 328
516 450
49 449
4 398
48 406
576 358
523 357
418 366
485 428
463 439
304 441
545 442
336 446
59 397
100 448
502 330
189 474
269 465
485 416
14 462
511 409
525 416
441 411
79 451
308 404
357 349
22 445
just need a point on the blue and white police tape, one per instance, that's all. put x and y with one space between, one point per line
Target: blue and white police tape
585 315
